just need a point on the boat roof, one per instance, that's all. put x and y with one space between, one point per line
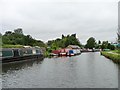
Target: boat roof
73 46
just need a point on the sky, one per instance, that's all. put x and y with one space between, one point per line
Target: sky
49 19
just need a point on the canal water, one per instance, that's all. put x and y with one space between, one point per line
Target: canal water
88 70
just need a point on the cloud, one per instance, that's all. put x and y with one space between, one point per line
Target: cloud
48 19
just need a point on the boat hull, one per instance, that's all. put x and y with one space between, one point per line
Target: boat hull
21 58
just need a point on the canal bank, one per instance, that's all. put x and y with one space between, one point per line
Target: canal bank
112 55
88 70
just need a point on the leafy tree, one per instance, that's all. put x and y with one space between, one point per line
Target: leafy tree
111 47
74 35
18 31
8 33
64 42
63 36
90 43
10 38
104 45
99 42
118 36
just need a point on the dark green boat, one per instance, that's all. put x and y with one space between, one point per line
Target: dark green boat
19 54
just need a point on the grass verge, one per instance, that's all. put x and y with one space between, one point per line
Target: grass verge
12 46
112 55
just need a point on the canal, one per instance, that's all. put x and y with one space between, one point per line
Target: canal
88 70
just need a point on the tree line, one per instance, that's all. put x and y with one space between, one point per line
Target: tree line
18 38
91 43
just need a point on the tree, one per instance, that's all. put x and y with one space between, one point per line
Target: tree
118 39
104 45
18 31
20 39
99 42
64 42
90 43
8 33
63 36
118 35
74 35
111 47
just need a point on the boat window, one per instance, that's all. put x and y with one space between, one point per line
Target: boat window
29 51
38 51
8 53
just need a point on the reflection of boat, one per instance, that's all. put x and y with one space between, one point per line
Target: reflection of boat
63 54
20 65
19 54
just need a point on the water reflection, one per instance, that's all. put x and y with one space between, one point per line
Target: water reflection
119 77
88 70
19 65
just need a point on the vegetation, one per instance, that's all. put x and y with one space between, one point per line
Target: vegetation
106 45
118 35
17 38
113 55
0 40
63 42
118 39
12 46
90 43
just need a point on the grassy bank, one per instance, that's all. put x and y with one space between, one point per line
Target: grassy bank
112 55
12 46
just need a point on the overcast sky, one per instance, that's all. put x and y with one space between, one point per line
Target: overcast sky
49 19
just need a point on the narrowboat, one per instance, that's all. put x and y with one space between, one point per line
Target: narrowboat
19 54
63 52
70 53
55 53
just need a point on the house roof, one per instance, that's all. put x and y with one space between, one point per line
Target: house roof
73 46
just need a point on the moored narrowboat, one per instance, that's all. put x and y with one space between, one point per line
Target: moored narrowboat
70 53
19 54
